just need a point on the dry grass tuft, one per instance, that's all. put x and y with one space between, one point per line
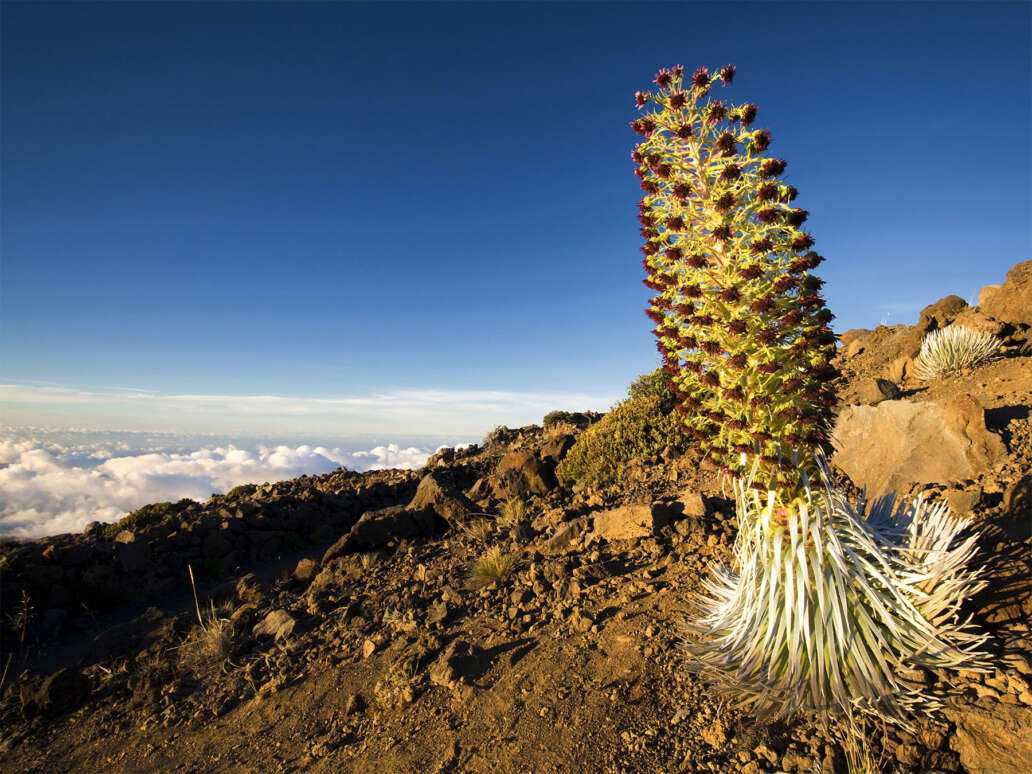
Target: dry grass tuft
493 565
512 512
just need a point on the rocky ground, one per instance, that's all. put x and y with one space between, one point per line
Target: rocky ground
346 626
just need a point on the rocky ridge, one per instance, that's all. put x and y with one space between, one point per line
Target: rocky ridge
347 627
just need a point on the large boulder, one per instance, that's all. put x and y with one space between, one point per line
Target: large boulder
378 528
437 495
996 742
941 313
1012 301
889 447
521 473
631 521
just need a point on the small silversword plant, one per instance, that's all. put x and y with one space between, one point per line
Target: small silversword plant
948 350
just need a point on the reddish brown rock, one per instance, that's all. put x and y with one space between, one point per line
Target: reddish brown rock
631 521
889 447
1012 301
997 742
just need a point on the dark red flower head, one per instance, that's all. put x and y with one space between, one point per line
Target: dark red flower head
711 347
768 215
791 318
761 246
649 187
767 337
738 361
767 192
684 131
789 194
761 305
730 294
663 170
802 242
752 271
637 157
640 98
678 100
701 79
796 218
648 233
726 143
727 73
748 114
772 168
811 282
760 141
731 172
678 71
717 112
664 78
724 202
738 326
697 261
681 191
783 283
813 260
655 316
703 319
676 223
722 232
650 248
644 126
710 379
690 291
674 253
643 207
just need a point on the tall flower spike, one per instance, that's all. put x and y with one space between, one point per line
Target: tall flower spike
744 337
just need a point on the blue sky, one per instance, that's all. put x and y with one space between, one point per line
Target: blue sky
421 218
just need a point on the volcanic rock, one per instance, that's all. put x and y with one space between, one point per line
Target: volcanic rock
889 447
1012 301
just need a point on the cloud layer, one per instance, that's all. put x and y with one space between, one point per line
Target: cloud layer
466 412
53 482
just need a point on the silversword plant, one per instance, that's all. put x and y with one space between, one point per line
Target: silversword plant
824 605
949 350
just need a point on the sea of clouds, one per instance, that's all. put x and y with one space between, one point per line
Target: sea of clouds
54 481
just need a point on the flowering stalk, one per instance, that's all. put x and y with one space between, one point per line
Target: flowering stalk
741 325
825 605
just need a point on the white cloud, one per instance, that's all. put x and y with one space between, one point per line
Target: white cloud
462 412
59 482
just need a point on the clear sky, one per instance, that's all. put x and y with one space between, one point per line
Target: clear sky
421 218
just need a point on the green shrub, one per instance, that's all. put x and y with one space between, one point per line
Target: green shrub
635 428
655 384
148 515
555 417
239 492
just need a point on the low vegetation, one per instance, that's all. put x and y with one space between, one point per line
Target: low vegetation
493 565
148 515
512 512
638 427
953 349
